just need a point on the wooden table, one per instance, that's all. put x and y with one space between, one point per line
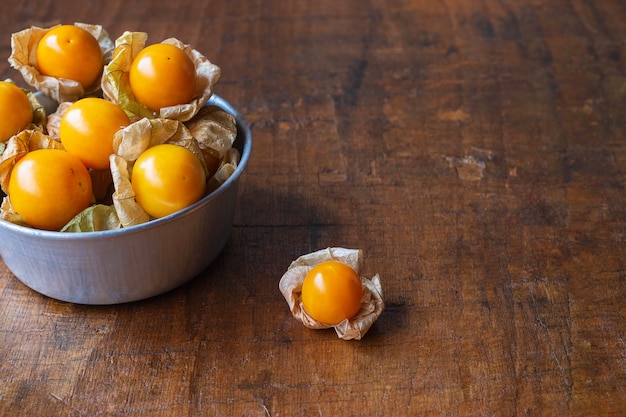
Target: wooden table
474 149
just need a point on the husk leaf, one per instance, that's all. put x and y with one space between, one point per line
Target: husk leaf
94 218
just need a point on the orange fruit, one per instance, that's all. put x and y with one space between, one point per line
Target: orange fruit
16 113
70 52
167 178
332 292
162 75
87 128
48 187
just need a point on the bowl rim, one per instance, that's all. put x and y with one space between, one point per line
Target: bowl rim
243 132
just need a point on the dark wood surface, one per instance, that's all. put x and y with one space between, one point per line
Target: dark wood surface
474 149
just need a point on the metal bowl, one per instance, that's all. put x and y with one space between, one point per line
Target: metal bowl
134 263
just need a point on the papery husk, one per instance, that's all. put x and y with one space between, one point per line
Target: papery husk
214 128
94 218
128 210
134 139
7 213
54 120
116 85
372 304
128 144
227 167
24 59
39 111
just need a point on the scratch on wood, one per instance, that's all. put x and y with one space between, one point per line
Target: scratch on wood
267 412
467 168
62 401
331 177
458 115
548 295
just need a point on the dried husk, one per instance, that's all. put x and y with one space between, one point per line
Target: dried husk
372 304
116 85
216 131
39 112
54 120
7 213
24 59
130 142
129 212
214 128
94 218
227 167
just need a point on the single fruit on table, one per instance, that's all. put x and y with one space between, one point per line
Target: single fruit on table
162 75
48 187
167 178
332 292
16 112
87 128
70 52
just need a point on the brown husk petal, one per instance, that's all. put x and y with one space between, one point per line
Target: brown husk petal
54 120
216 131
372 304
24 59
214 128
128 210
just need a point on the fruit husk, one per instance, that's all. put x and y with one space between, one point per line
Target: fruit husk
214 128
24 59
116 85
94 218
372 303
216 131
129 143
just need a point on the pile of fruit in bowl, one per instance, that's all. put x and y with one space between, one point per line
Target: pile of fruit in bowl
119 166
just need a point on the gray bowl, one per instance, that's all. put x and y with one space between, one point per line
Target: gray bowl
131 264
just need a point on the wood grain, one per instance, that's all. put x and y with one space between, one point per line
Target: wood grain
476 152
